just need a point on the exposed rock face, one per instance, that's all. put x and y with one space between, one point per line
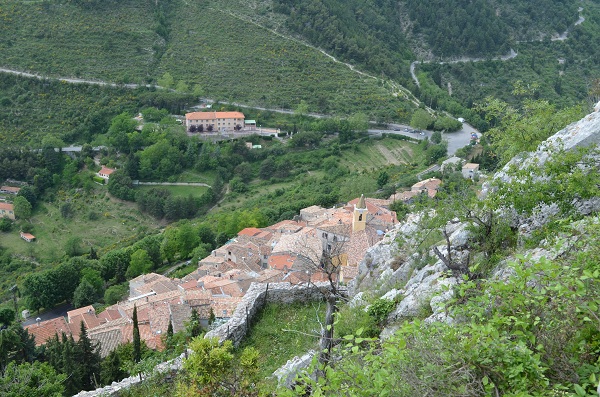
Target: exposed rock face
428 287
583 133
287 373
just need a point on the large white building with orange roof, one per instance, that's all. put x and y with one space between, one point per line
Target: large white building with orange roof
219 121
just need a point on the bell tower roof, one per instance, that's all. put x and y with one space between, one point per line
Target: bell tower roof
361 202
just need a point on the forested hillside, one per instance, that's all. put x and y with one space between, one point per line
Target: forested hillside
262 53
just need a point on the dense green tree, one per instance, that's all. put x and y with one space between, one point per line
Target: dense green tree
73 246
120 126
116 293
111 370
193 327
85 294
120 185
7 316
421 119
517 130
382 179
22 208
31 380
114 265
29 193
436 137
140 263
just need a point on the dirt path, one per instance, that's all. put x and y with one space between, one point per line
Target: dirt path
389 156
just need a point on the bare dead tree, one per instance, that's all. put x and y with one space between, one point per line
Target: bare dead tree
458 266
324 265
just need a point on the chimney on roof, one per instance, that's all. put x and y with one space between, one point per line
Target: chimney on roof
38 320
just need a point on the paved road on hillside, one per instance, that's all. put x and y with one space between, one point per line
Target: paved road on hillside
512 54
456 140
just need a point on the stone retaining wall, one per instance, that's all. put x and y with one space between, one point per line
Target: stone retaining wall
257 296
235 329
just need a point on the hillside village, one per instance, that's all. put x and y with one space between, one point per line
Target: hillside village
288 251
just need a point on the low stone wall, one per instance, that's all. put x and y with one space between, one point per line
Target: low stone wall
235 329
114 388
257 296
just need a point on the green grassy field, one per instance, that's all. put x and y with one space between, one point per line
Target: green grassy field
182 191
282 332
99 221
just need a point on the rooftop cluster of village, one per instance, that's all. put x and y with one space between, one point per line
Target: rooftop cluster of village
289 251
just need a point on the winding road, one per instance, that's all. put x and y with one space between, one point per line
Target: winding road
512 54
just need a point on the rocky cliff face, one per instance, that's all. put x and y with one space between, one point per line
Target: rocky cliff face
419 280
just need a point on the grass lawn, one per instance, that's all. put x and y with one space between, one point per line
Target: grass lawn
281 332
97 220
195 191
207 177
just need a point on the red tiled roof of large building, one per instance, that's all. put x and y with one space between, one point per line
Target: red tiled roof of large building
427 184
214 115
109 315
45 330
359 242
7 207
10 189
250 231
287 226
81 310
151 282
89 320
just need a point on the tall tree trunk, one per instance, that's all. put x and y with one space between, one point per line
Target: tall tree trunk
326 344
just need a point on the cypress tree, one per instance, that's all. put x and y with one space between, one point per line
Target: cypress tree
137 344
88 360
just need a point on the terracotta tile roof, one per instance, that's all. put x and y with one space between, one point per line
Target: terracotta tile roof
196 297
10 189
223 307
359 242
304 244
281 262
7 207
81 310
151 282
214 115
27 236
89 320
109 315
286 226
335 227
106 171
270 276
471 166
250 231
427 184
46 330
404 196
